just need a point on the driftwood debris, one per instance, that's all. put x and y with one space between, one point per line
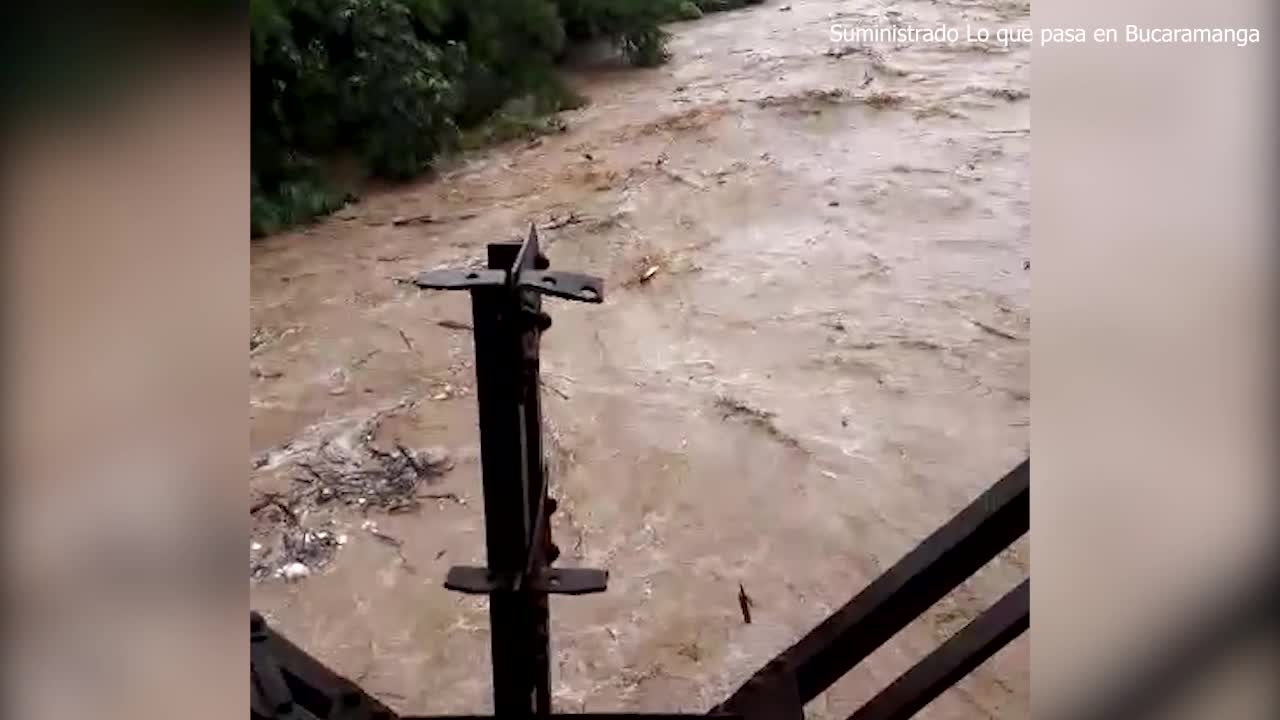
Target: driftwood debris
678 177
407 342
555 223
454 325
429 219
993 330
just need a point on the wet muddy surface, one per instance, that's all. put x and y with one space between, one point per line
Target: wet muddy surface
813 350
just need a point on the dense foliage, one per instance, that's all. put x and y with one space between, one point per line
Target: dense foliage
394 83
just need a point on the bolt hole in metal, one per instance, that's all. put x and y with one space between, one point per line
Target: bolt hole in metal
472 276
549 279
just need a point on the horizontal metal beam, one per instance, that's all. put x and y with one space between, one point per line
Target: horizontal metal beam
946 558
770 694
569 286
460 279
287 683
954 659
553 581
586 716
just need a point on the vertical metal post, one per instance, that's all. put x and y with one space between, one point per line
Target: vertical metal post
508 322
500 393
539 505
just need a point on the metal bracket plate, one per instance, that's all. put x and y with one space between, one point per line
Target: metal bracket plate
460 279
554 581
567 285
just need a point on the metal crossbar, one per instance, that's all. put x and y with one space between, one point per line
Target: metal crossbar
954 659
506 301
952 553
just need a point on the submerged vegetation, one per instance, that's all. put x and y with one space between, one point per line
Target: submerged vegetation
394 84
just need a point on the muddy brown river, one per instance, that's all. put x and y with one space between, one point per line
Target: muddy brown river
813 350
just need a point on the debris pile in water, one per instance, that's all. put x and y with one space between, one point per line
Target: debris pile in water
346 470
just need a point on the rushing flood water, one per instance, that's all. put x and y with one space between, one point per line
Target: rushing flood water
830 359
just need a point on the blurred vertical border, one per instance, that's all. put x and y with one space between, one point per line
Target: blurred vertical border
125 188
1154 232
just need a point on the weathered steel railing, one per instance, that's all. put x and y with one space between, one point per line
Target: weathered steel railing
506 300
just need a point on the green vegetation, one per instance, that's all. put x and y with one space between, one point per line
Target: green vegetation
398 83
688 10
707 6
